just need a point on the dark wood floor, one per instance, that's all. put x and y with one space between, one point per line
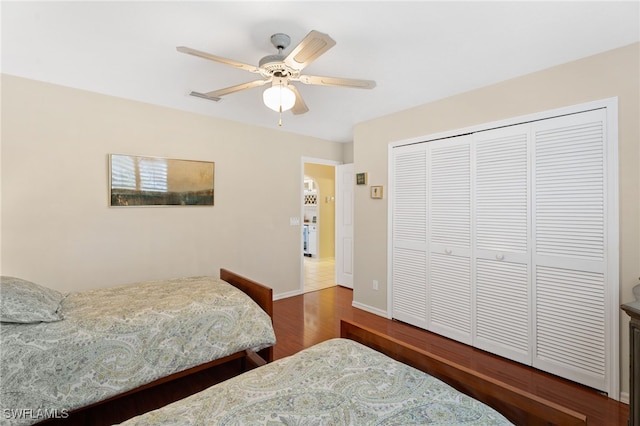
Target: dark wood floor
305 320
302 321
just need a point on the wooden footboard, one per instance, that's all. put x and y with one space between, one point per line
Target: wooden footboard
260 293
520 407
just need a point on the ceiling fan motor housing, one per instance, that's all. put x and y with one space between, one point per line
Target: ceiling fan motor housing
273 65
280 41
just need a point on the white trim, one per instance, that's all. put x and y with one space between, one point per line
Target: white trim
371 309
287 294
613 271
624 397
390 203
613 233
571 109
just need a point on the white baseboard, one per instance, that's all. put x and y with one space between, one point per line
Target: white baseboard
371 309
624 397
287 294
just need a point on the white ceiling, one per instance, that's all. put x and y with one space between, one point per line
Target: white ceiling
417 51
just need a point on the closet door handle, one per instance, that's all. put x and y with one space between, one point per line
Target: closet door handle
500 256
447 251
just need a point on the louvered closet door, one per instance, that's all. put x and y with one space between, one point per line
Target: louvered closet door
502 232
449 281
569 247
409 263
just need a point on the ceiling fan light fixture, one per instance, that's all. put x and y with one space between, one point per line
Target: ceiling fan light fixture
279 70
279 98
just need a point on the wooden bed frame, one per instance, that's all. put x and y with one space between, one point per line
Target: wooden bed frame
520 407
261 294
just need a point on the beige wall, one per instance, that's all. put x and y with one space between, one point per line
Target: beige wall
57 228
610 74
347 153
324 176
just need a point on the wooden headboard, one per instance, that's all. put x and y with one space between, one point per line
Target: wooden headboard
520 407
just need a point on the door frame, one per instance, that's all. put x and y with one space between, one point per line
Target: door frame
303 161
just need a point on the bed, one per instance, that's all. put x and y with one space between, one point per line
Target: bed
357 379
60 353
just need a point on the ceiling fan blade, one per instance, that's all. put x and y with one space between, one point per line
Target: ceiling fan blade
308 50
337 81
299 107
216 94
231 62
204 96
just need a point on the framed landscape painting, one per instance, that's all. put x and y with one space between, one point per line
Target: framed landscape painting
155 181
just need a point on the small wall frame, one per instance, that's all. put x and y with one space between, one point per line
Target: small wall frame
361 178
376 192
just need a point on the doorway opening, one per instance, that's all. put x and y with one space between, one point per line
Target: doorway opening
318 274
318 228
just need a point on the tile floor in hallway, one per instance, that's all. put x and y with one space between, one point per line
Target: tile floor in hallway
318 273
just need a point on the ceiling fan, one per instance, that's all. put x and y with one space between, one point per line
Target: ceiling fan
281 71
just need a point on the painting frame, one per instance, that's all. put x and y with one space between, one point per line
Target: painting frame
146 181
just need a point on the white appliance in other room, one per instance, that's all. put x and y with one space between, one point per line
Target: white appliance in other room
310 238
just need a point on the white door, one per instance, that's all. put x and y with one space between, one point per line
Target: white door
570 248
502 256
408 193
344 225
449 284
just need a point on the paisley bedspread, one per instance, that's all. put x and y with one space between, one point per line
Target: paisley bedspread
116 339
337 382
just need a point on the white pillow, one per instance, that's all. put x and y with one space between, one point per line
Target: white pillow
26 302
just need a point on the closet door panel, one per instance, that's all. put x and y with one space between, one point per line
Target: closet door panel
502 323
570 187
409 286
409 226
450 306
449 243
410 195
569 225
450 193
502 242
570 324
501 190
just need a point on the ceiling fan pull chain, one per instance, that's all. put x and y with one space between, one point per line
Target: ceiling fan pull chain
280 119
